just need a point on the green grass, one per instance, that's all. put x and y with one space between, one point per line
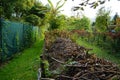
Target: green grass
101 53
24 66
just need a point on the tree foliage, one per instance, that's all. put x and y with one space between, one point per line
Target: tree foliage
91 3
37 14
16 8
22 7
53 14
61 21
34 19
79 23
85 23
55 10
31 11
102 20
7 8
38 9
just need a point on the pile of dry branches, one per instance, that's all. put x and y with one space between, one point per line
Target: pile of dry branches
74 63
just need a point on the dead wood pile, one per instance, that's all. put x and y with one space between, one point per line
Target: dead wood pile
78 64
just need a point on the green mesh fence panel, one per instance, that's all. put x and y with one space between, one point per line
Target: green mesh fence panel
35 33
14 38
27 30
0 38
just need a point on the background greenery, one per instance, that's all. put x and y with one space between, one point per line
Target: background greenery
99 35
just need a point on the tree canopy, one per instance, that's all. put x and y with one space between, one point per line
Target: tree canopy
91 3
16 8
102 20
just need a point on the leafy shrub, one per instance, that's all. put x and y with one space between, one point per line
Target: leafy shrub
33 19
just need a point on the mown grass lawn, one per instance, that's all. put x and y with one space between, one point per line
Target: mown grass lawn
24 66
101 53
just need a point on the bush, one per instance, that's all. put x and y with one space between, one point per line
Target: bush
33 19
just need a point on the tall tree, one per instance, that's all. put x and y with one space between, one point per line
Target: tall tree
16 8
38 9
102 20
7 8
37 14
22 7
80 23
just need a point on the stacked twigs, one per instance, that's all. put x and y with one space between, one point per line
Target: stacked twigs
78 64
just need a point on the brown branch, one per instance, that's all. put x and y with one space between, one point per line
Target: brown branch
57 60
68 77
47 79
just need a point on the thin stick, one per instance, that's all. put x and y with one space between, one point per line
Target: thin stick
57 60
